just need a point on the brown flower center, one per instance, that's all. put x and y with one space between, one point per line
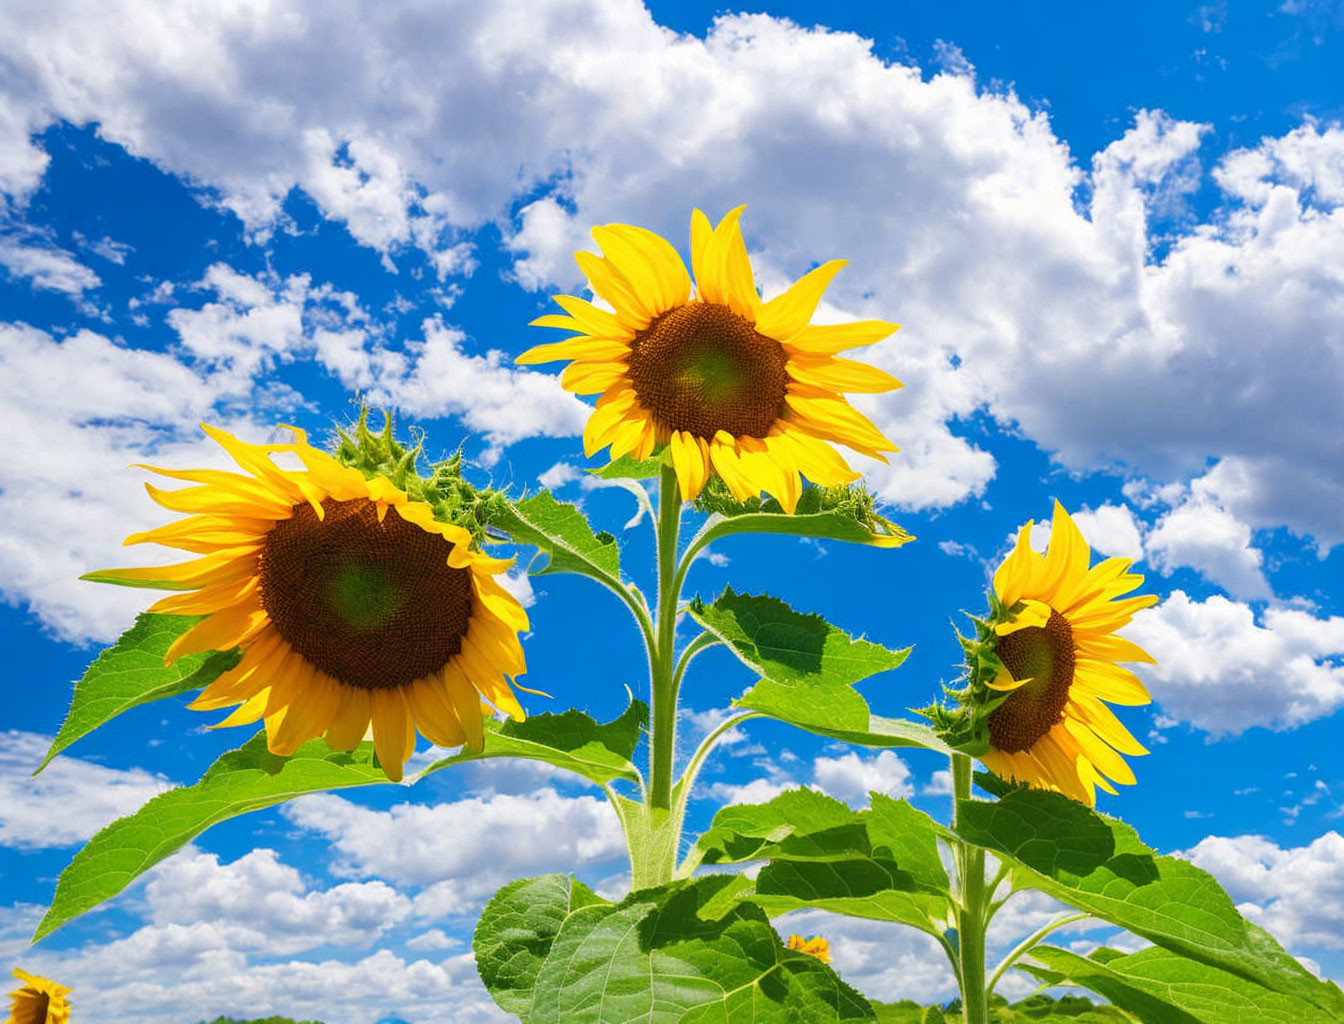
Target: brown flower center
374 605
702 368
1045 655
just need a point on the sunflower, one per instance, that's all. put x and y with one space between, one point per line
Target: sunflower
815 946
1060 660
345 614
39 1001
745 389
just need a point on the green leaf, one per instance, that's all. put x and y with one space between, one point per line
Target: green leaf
574 741
907 1011
242 780
516 930
656 956
1163 987
630 468
808 669
881 863
560 531
132 672
827 513
1098 864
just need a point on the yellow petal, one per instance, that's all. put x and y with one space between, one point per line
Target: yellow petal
844 375
222 631
631 312
1033 613
649 261
833 338
597 323
393 730
1066 556
786 315
434 714
1110 682
582 348
350 721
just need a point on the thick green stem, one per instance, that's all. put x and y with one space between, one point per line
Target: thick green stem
662 677
971 914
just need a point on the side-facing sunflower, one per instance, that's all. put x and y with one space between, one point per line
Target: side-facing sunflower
815 946
1060 658
351 604
38 1001
746 389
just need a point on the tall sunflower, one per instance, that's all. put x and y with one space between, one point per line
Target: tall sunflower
38 1001
345 614
1060 658
746 389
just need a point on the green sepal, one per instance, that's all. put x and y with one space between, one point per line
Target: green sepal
451 497
554 954
242 780
1099 865
574 741
131 672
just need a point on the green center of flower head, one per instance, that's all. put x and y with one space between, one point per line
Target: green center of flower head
364 596
702 368
1045 656
373 603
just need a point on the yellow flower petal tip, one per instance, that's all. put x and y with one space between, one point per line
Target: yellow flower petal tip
815 946
746 390
38 1001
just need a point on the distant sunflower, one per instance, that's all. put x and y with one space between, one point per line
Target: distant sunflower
39 1001
345 614
746 389
1061 657
815 946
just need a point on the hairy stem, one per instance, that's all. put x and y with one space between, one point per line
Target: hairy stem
974 897
662 675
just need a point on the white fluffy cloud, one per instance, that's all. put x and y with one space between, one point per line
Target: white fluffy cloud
256 903
461 852
958 205
1214 542
1223 672
89 795
1296 893
46 266
1111 530
851 777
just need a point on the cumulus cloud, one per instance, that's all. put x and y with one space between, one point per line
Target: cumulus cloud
46 266
1214 542
461 852
89 795
1296 893
1018 272
1224 672
851 777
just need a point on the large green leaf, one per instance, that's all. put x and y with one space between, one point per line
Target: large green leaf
560 531
808 669
242 780
881 863
599 751
659 956
516 930
132 672
1098 864
1163 987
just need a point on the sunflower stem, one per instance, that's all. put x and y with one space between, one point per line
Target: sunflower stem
972 918
662 675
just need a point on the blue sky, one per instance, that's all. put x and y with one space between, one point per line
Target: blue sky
1114 241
